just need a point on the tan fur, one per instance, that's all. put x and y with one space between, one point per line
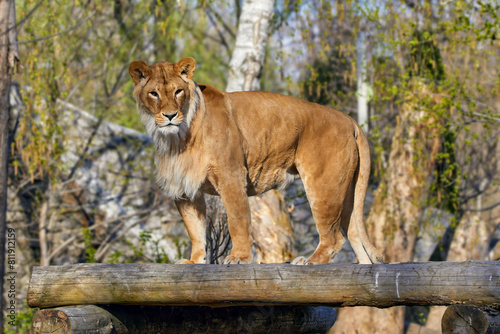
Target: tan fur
244 143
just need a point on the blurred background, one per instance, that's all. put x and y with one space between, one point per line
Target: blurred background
422 78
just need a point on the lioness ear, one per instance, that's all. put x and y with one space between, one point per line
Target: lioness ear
185 67
138 70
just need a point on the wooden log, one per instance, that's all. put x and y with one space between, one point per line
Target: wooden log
462 319
75 320
183 320
383 285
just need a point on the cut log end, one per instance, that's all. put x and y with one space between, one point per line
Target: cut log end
51 321
469 319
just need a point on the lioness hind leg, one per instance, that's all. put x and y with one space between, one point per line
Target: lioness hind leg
326 249
331 239
326 198
327 175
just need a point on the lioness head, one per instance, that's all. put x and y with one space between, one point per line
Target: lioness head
165 94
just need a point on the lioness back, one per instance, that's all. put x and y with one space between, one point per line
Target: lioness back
273 126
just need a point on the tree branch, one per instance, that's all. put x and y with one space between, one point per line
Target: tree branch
53 35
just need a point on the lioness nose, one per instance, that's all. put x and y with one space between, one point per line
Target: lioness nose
170 116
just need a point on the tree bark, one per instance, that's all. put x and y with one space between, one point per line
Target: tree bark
245 67
394 217
470 239
382 285
120 319
272 232
8 59
218 239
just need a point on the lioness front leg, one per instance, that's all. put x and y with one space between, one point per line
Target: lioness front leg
193 214
235 202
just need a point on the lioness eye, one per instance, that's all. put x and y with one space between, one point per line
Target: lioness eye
177 92
154 94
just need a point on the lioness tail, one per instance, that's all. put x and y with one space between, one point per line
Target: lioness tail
360 193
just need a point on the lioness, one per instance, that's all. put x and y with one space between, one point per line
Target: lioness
244 143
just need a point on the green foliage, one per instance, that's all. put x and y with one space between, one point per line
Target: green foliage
425 57
116 257
89 247
147 245
444 189
23 321
181 247
327 83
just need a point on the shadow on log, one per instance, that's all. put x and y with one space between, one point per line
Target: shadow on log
383 285
183 320
460 319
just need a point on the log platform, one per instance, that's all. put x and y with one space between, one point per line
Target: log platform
382 285
170 297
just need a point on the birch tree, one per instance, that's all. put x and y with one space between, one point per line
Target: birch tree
8 58
245 67
363 89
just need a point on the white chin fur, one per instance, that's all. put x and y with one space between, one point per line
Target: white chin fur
176 172
169 130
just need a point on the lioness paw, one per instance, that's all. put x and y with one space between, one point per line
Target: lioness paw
236 260
300 261
184 261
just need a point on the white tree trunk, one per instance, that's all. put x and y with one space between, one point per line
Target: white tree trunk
248 56
363 93
363 88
